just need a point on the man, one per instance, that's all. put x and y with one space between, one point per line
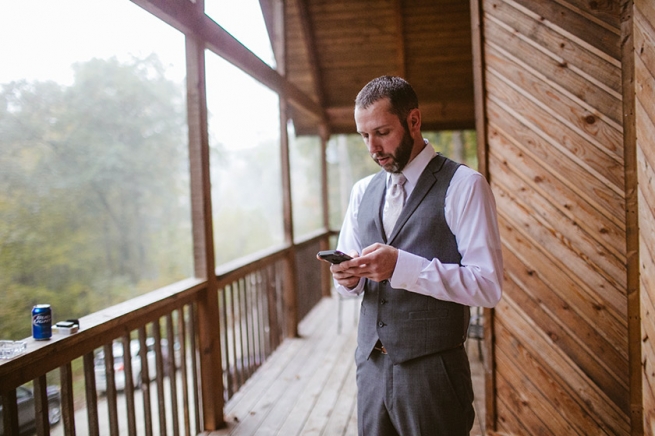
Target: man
420 275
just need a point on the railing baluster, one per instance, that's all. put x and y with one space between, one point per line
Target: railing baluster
183 369
280 295
172 374
232 326
269 311
10 412
245 332
273 308
129 384
67 401
159 377
257 318
91 395
236 337
145 381
251 293
111 389
263 314
243 336
193 331
225 341
41 405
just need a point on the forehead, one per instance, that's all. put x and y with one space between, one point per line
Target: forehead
375 116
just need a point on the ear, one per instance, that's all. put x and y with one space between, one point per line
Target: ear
414 120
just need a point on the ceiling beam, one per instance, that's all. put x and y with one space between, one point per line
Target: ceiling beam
269 15
401 63
439 115
183 16
310 46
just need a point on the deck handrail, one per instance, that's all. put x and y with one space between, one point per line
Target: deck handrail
253 283
44 356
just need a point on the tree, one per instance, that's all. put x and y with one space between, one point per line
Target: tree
95 189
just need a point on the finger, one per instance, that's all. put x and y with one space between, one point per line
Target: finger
371 248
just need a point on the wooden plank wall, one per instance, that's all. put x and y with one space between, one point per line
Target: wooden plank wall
644 42
555 135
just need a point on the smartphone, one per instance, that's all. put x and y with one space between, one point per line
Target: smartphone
333 256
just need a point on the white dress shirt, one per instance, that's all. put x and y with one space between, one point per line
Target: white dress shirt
470 211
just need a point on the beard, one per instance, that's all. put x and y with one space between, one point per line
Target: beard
399 157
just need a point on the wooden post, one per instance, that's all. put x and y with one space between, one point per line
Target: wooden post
211 380
631 217
477 33
326 276
290 284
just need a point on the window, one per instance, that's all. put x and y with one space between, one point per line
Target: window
94 205
243 19
305 157
244 137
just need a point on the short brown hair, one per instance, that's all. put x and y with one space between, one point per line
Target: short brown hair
400 93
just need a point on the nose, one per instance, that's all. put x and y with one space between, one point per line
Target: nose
374 145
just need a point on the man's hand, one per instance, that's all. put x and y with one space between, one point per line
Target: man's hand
345 275
376 263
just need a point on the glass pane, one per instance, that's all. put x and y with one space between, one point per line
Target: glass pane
348 161
305 157
243 19
459 145
94 205
244 137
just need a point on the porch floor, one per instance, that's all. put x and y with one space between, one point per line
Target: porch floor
307 387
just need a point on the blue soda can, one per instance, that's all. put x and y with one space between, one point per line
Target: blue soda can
41 322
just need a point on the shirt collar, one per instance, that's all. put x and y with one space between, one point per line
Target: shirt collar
415 167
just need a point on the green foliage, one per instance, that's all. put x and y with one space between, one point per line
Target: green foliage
95 187
443 143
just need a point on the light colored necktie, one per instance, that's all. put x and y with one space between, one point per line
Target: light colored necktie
393 204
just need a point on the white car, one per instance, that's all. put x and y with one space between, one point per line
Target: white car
26 409
119 366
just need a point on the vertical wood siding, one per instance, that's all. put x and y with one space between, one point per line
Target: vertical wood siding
554 107
644 42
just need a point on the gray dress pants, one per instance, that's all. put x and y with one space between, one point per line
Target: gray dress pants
429 396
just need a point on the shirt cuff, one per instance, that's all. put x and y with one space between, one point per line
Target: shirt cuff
408 268
347 292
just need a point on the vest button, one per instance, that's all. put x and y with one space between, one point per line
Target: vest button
384 282
383 301
381 324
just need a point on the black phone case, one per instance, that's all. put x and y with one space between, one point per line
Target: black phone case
334 256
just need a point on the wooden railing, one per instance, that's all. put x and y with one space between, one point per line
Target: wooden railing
146 355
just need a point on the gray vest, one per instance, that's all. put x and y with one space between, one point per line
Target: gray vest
411 325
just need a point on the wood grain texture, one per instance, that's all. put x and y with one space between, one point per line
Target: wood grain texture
557 164
644 46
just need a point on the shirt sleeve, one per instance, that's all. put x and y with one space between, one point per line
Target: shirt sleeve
349 241
470 211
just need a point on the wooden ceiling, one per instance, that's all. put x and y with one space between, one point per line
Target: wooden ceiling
334 47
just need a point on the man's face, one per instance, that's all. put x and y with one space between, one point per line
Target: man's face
389 142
